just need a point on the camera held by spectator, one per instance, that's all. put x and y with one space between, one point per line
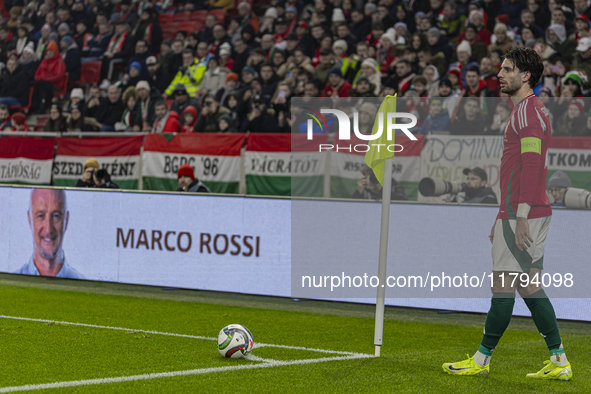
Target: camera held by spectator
562 194
102 180
474 189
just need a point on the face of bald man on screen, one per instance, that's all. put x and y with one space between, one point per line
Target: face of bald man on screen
48 218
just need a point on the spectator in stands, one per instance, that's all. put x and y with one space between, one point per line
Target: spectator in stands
438 119
82 37
431 75
76 98
49 77
427 59
72 57
336 86
99 44
22 39
573 122
43 40
557 38
558 183
140 56
17 123
175 61
469 120
489 76
93 103
369 188
476 87
110 110
166 121
14 84
502 40
404 75
7 42
29 62
210 114
4 117
118 51
260 118
158 76
214 77
145 114
500 119
128 118
452 22
57 122
133 76
225 124
148 29
363 88
188 182
582 60
76 121
102 180
87 180
189 118
327 62
190 75
182 100
476 191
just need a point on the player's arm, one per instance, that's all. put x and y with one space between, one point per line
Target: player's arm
530 135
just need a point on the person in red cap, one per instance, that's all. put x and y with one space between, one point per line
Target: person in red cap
18 123
190 116
188 182
582 25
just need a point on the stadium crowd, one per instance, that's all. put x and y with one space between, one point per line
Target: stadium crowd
233 66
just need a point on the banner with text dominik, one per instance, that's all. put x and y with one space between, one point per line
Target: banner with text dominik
215 158
120 156
26 160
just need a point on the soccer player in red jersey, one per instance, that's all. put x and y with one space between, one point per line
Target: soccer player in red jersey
519 232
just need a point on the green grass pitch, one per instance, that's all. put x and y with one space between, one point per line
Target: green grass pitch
98 359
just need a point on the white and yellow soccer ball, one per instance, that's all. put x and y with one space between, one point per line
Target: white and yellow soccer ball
235 341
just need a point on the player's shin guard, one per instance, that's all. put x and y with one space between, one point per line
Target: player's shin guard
497 320
544 317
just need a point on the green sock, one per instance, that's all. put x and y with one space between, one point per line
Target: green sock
544 317
497 320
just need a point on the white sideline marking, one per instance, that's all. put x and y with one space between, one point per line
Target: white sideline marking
256 345
263 362
173 374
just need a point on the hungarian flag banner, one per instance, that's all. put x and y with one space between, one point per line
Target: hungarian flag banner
347 160
120 156
572 155
285 164
215 158
25 160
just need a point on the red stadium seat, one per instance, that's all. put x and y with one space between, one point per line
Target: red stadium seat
219 14
199 15
26 108
182 17
40 125
165 18
90 73
169 103
189 27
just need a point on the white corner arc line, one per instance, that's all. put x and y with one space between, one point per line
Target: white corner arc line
87 382
257 345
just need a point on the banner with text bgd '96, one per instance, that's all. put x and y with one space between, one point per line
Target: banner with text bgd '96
120 156
215 158
25 160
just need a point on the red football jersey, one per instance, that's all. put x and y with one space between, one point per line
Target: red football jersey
523 165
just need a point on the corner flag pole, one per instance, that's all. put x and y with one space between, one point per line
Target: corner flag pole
386 195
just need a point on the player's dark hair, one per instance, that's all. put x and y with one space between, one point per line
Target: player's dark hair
527 60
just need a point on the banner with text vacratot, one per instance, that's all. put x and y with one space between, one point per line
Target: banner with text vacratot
346 165
285 165
120 156
446 157
214 157
572 155
25 160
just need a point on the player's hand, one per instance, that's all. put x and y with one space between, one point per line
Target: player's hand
492 232
522 238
